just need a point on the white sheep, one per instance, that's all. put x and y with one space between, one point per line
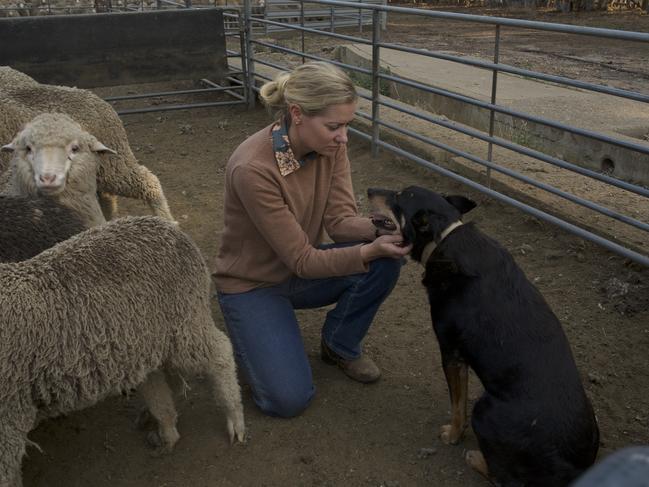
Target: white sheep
54 156
100 314
22 98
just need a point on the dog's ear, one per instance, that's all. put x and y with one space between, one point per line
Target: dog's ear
463 204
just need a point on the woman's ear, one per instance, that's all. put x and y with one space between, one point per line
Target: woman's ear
295 112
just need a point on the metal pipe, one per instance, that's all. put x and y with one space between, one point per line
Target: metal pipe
229 88
521 177
163 93
494 90
249 64
631 95
272 65
302 25
618 249
311 56
483 19
514 113
358 40
376 80
360 19
241 26
518 148
179 107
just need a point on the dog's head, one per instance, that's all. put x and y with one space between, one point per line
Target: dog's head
421 216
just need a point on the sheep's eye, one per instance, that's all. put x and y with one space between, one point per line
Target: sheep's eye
28 149
74 149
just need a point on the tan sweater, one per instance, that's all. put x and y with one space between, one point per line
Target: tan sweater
272 223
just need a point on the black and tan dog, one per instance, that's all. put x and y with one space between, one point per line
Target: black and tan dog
534 424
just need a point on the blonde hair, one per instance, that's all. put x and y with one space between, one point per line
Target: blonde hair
313 87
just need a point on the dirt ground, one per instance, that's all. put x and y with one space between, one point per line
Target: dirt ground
384 434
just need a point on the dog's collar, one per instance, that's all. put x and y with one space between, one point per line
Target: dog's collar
431 246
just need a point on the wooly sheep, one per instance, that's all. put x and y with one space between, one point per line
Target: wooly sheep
54 156
30 225
22 98
102 313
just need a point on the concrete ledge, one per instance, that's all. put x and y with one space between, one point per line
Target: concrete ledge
606 114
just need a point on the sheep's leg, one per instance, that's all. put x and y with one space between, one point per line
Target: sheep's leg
134 182
13 431
11 454
220 368
108 204
158 398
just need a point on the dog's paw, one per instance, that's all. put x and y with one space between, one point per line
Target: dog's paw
450 435
475 459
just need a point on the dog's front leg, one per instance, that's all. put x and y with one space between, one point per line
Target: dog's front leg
457 378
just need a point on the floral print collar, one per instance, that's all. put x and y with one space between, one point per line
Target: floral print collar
286 160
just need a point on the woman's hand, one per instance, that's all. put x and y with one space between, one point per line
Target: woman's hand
384 246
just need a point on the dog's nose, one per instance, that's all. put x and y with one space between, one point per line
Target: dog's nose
372 191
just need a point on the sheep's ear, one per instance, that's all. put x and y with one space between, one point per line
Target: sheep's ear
10 147
97 146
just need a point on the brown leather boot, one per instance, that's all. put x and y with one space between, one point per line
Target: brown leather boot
362 369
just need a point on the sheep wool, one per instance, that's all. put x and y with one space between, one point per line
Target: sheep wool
30 225
22 98
99 314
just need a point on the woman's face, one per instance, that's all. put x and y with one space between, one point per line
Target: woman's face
323 133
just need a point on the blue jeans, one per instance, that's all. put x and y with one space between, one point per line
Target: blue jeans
628 467
266 336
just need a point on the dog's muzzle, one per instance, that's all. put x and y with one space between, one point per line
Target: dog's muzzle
382 222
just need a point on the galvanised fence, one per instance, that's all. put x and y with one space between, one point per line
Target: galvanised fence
257 66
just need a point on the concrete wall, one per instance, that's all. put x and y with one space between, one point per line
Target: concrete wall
117 48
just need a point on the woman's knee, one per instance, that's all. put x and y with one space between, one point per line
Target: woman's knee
286 403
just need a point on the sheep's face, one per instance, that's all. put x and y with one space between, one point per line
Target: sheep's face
53 149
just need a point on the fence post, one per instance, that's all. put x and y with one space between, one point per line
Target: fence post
494 89
249 64
360 18
332 13
376 64
302 25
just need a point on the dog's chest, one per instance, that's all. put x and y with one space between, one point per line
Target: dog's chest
442 276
